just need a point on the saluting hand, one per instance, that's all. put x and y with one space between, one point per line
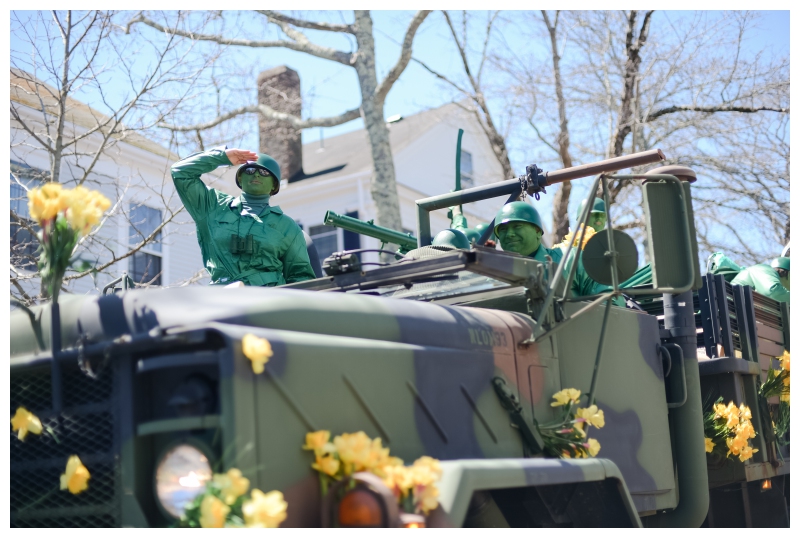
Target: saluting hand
240 156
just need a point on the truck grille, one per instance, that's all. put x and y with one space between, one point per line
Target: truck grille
86 427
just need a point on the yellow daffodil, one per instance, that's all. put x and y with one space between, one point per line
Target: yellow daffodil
327 465
398 479
720 411
213 513
316 440
785 361
571 239
354 451
25 422
264 510
232 485
258 350
785 397
593 446
747 453
426 498
76 477
425 471
745 429
744 413
709 445
733 420
564 397
44 203
786 381
592 415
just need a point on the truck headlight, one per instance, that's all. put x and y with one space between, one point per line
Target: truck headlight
181 475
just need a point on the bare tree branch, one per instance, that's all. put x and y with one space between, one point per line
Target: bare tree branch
711 109
405 56
306 46
271 113
301 23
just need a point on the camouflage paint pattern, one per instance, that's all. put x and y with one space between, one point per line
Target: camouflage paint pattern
415 374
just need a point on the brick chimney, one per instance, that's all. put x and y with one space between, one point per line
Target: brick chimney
279 89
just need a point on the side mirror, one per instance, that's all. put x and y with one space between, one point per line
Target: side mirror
671 236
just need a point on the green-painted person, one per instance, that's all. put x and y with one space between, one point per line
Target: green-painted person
597 214
242 238
519 228
769 280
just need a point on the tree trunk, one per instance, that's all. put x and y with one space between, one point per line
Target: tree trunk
561 200
383 186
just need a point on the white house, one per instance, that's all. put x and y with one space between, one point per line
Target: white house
132 172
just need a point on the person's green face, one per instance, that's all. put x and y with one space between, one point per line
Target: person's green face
256 184
520 237
597 221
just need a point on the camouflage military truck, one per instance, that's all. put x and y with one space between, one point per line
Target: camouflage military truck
449 353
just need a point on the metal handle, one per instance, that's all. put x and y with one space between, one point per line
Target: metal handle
665 354
684 393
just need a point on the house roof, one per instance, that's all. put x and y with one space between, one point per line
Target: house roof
350 153
24 91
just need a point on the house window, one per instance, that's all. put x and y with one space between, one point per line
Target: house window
23 243
145 265
467 179
326 239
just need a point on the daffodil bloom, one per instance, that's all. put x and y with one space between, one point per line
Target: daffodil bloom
327 465
398 479
786 381
45 202
76 477
24 422
733 420
354 451
264 510
785 361
564 397
744 413
425 471
747 453
746 430
213 512
592 415
593 446
720 411
785 397
232 485
427 499
258 350
571 239
709 445
316 440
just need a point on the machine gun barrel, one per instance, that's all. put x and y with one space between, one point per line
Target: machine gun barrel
513 186
385 235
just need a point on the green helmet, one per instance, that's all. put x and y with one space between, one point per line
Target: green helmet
518 212
267 163
480 228
780 263
451 237
472 234
598 206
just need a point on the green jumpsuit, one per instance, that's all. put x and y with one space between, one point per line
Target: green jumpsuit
764 280
279 254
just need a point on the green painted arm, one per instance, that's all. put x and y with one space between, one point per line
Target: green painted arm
296 265
198 199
